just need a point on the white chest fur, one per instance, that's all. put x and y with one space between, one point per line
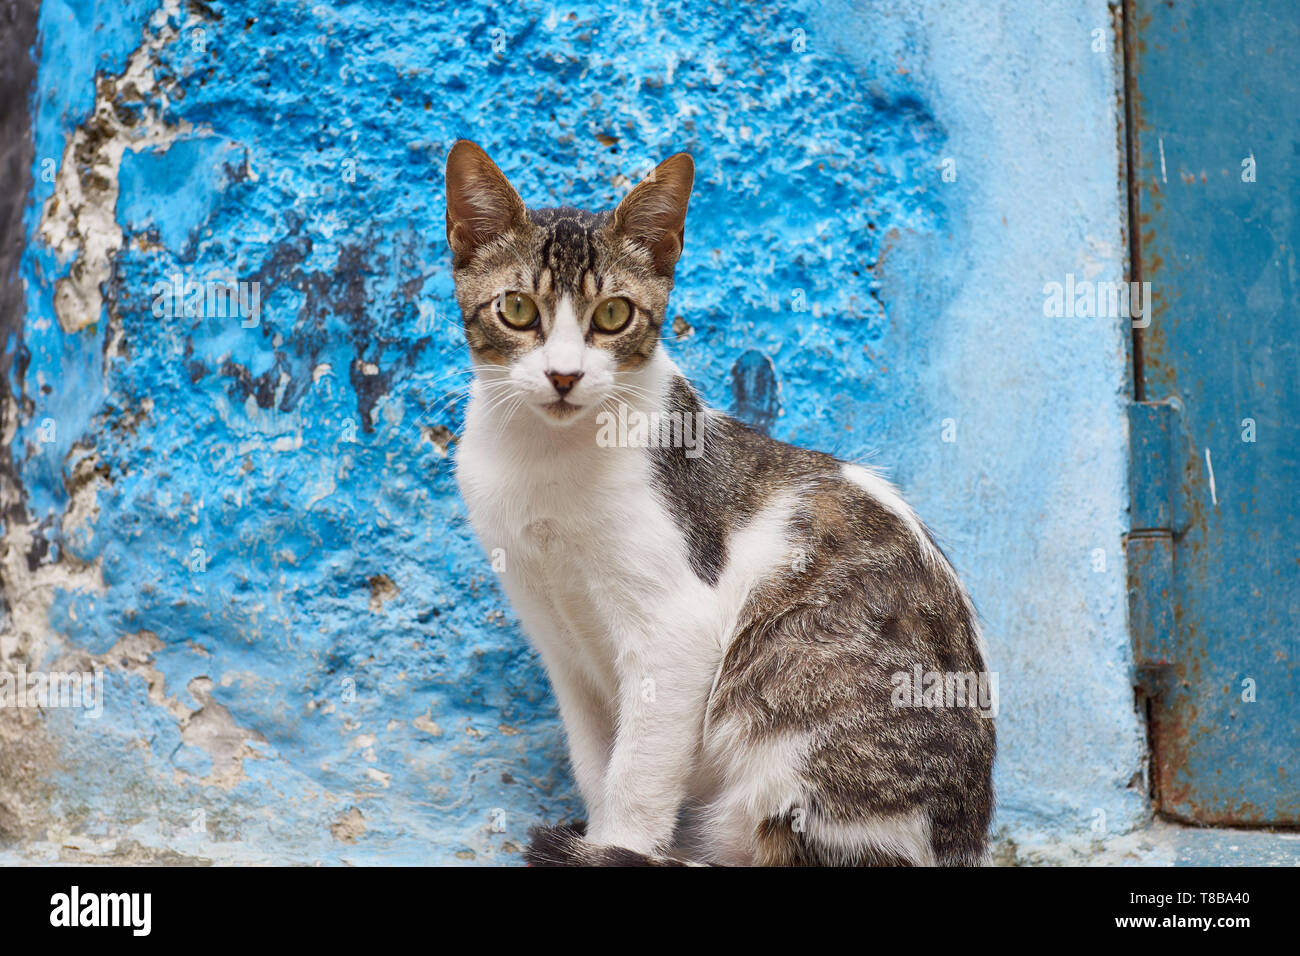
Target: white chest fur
583 546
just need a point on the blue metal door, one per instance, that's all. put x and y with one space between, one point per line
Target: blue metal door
1213 95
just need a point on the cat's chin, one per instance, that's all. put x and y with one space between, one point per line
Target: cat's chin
560 414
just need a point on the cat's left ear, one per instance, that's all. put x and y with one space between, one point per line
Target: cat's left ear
481 204
654 214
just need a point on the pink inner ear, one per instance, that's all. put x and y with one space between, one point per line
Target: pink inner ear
654 215
477 211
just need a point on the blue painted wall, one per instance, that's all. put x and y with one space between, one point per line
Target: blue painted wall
253 529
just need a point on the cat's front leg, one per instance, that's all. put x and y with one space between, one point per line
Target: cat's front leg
588 727
660 714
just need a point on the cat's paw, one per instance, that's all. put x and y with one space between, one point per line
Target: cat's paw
565 845
561 845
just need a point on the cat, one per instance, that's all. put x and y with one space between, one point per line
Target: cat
731 625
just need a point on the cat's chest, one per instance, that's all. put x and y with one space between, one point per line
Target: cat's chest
593 513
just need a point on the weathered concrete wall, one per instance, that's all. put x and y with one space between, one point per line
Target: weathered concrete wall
250 528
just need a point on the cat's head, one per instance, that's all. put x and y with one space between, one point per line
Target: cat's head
562 307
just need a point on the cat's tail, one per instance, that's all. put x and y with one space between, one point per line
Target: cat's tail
565 845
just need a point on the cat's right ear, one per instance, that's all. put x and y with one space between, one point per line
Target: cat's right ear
654 214
481 203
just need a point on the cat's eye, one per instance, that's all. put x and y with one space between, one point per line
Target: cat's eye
612 314
517 310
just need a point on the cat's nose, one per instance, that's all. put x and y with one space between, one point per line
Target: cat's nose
564 381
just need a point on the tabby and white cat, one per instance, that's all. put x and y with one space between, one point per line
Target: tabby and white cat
724 618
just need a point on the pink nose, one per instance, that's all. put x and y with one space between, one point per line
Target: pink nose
564 382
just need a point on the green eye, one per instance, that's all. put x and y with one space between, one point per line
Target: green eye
612 314
517 310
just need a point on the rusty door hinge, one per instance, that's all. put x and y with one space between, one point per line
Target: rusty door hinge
1150 546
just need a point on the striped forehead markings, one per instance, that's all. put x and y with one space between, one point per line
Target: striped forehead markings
569 250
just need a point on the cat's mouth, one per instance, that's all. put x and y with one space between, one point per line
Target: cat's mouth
560 409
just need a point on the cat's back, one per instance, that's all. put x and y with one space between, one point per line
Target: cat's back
848 525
